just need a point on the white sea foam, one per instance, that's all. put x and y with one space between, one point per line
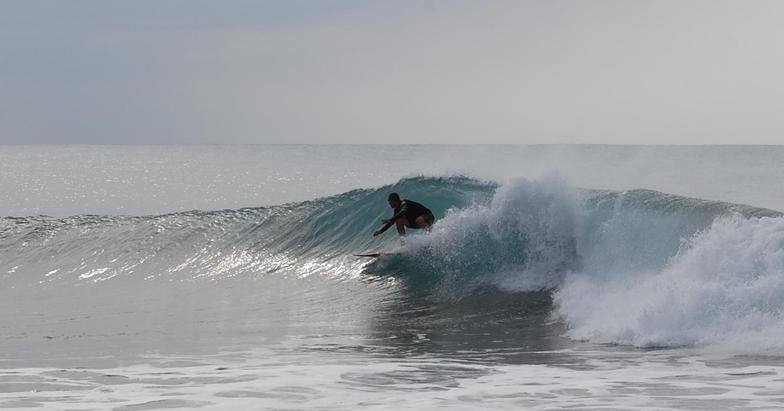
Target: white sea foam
724 288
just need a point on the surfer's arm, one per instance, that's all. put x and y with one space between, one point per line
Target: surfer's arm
390 222
380 230
387 224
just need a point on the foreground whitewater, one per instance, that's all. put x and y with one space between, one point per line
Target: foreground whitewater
528 292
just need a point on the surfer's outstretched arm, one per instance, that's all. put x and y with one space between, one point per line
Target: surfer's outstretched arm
387 224
399 215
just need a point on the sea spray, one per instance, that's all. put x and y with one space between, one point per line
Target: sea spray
524 238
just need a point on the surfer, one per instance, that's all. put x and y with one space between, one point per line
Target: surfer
407 214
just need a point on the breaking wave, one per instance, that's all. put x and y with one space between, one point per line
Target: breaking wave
635 267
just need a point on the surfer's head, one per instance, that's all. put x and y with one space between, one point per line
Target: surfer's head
394 200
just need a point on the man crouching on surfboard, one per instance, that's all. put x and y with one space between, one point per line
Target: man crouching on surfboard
407 214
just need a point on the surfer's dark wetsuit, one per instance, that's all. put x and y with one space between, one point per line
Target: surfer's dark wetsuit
410 210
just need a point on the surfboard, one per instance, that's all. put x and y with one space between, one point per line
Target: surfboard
373 255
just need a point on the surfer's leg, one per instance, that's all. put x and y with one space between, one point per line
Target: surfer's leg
424 221
401 225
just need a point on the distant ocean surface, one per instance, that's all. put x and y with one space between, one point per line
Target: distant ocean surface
223 277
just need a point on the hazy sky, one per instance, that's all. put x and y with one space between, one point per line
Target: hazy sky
237 71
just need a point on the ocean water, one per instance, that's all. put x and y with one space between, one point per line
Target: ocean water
223 277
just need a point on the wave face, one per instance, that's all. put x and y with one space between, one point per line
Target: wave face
306 238
636 267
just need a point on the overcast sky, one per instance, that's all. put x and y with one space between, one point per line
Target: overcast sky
237 71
